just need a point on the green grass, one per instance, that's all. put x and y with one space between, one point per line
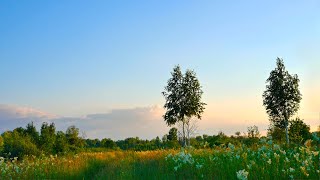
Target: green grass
266 161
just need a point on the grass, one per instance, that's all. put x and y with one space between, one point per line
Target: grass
266 161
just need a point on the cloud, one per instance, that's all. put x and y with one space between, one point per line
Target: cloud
15 116
145 122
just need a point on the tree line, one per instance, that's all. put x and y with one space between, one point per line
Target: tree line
28 141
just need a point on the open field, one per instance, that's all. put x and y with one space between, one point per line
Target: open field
266 161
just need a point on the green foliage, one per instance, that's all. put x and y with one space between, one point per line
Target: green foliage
299 132
173 134
72 135
61 143
277 134
157 142
108 143
282 96
1 143
48 137
16 144
93 143
173 95
33 133
183 98
21 142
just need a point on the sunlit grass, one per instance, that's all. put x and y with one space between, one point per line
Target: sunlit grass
265 161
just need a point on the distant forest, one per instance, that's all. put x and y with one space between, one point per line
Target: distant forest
29 141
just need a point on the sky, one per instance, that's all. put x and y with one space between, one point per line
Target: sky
102 65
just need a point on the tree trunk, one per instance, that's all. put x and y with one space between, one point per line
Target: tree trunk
287 133
184 134
188 132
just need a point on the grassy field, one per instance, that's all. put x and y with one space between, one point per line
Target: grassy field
265 161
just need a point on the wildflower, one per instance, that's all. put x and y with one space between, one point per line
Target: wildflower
242 174
264 155
291 169
287 160
269 161
305 162
1 160
315 153
304 171
283 152
277 156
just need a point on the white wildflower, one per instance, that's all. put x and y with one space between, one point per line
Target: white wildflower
242 174
269 161
291 169
287 160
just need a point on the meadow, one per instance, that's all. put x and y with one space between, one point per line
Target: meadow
265 160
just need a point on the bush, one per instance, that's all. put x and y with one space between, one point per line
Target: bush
1 144
299 132
18 145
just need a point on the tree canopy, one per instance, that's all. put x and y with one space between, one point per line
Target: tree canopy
183 98
282 96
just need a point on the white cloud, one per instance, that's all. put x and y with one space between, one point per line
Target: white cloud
15 116
144 122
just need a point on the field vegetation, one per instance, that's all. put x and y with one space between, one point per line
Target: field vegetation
264 160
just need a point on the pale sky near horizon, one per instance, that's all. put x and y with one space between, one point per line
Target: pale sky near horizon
102 65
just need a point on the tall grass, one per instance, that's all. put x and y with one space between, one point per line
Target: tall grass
265 161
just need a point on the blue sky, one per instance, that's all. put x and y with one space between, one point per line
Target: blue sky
74 58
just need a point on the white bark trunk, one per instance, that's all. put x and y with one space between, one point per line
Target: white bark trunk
287 133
